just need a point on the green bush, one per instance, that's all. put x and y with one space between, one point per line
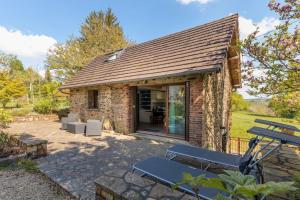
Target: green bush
239 103
21 111
44 106
5 118
4 139
287 105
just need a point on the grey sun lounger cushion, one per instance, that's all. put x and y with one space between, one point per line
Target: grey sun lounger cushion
93 127
171 172
276 135
201 154
277 125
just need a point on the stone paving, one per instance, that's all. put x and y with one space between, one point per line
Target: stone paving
76 161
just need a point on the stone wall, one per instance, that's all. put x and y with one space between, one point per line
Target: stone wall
113 104
282 165
28 145
196 112
217 90
123 184
116 104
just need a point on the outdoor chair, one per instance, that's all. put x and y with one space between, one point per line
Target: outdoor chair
72 117
170 172
93 127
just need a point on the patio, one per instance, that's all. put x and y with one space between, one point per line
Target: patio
76 161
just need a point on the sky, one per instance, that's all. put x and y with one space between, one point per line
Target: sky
29 28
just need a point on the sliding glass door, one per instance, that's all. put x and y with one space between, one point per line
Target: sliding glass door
176 110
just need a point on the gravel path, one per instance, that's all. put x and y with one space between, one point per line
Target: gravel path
19 184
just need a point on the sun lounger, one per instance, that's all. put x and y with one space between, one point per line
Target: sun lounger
93 127
277 125
213 157
283 138
170 172
205 155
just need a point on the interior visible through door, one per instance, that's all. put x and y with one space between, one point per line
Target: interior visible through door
151 108
162 110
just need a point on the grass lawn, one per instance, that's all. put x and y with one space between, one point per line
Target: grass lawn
242 121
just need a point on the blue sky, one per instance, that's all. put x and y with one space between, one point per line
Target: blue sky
28 28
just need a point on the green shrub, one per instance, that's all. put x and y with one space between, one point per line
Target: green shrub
44 106
5 118
62 112
21 112
4 139
237 185
287 105
239 103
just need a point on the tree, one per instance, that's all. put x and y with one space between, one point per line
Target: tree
100 33
286 105
31 78
10 88
238 102
48 77
276 54
15 66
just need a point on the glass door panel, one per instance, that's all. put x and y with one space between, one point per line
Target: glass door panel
176 100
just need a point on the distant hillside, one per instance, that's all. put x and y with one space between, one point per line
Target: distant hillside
260 106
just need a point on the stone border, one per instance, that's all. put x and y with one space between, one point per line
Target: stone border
58 186
32 147
30 118
122 184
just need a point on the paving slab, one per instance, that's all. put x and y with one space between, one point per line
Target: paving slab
76 161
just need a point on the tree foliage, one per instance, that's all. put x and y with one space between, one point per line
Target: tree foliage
275 55
100 33
5 119
286 105
238 102
10 88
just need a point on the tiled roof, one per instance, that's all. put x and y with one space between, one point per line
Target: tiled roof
196 50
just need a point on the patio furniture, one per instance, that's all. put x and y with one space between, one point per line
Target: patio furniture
93 127
228 160
211 157
76 127
275 136
170 172
275 125
72 117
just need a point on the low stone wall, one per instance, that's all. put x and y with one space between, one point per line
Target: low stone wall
282 165
32 147
123 184
30 118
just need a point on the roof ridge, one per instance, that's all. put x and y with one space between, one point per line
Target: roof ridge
194 48
235 15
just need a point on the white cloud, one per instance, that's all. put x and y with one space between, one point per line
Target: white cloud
26 46
248 26
192 1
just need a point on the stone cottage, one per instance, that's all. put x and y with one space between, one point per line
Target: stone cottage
176 86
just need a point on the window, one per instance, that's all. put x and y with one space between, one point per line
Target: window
93 99
113 56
